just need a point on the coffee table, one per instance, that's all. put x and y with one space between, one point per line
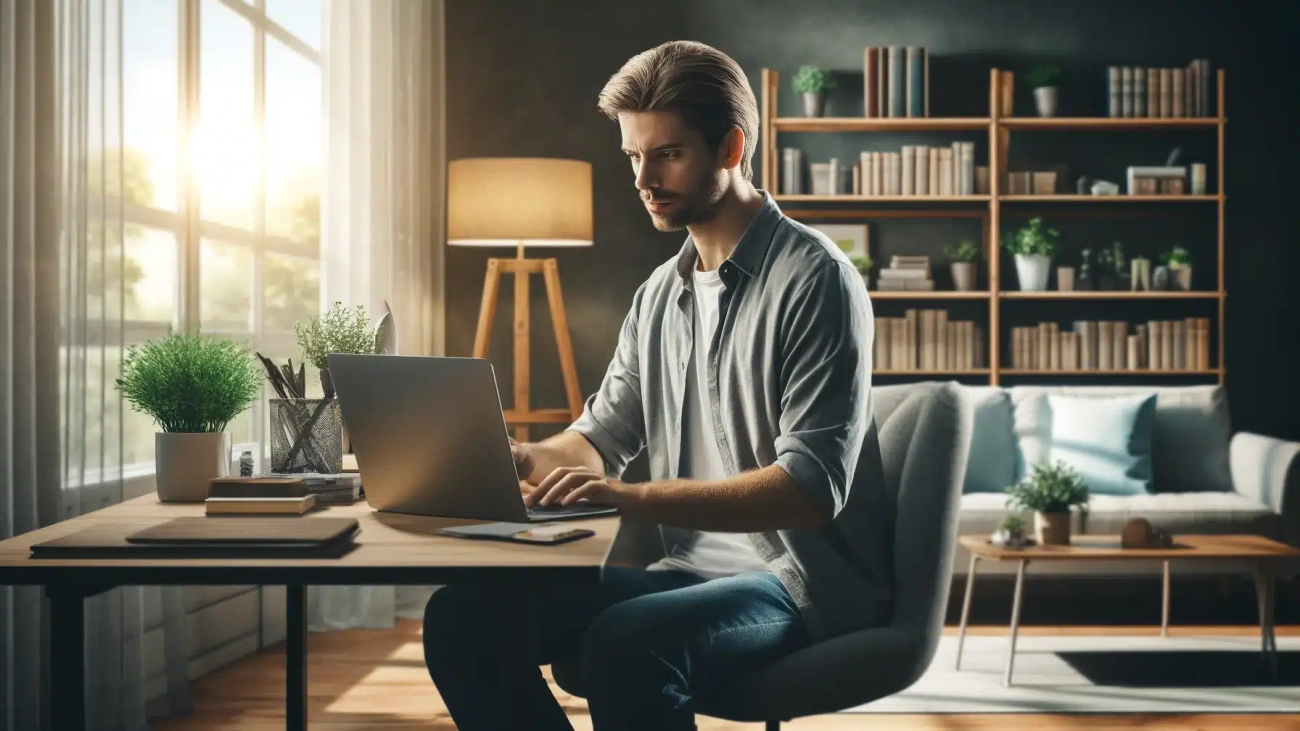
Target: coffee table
1261 552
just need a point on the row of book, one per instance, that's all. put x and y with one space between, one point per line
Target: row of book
926 340
1135 91
906 274
914 170
896 81
1106 345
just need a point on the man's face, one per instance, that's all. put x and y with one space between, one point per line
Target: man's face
680 180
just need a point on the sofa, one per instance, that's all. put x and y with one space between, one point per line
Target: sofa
1201 476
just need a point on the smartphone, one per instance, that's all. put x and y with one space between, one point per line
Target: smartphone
544 534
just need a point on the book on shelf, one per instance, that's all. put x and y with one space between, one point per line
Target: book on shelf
927 340
906 274
896 82
1134 91
919 170
1113 345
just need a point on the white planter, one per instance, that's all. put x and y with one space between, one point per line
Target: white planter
1032 270
1182 277
186 462
1045 99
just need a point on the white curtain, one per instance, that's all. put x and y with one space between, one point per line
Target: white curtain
61 310
382 210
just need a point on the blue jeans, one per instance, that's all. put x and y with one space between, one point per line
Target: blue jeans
648 641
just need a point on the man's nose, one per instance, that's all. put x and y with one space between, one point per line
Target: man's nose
646 177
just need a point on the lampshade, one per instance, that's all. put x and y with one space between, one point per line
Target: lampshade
513 201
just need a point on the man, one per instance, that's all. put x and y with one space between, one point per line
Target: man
744 369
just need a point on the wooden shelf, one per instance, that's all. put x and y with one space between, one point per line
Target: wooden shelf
968 372
1084 123
885 199
886 124
877 294
1110 372
1108 295
1107 199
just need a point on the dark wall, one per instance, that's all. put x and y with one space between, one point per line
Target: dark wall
523 77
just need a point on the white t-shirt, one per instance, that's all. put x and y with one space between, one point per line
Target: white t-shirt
706 554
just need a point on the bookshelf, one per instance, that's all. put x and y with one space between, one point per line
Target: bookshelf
987 209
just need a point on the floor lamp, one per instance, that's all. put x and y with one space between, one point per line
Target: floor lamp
519 203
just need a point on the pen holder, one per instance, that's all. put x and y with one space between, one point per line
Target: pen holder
306 436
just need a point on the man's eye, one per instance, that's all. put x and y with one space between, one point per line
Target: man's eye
671 154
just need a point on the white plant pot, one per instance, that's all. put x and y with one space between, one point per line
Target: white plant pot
1045 100
1182 277
1032 271
186 462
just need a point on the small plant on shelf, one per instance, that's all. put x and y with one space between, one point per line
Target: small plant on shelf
1180 267
1033 246
1045 79
1050 490
813 82
964 257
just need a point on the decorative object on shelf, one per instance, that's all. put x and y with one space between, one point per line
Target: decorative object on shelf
1112 268
964 259
851 238
1051 489
1034 247
791 171
1045 79
1084 281
340 330
1140 277
1044 182
1198 178
1160 279
1065 279
1156 180
193 386
1139 533
1081 185
1010 532
819 174
1180 268
1105 187
813 83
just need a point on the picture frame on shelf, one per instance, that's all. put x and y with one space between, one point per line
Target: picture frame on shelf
852 238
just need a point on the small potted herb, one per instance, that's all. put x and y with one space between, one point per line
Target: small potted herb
1180 267
1010 532
1034 246
340 330
813 83
1045 79
964 258
1050 490
193 386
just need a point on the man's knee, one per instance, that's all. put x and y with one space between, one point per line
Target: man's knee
452 616
624 634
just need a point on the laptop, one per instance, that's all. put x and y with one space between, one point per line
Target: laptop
430 438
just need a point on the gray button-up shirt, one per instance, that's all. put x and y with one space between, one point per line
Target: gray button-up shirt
789 379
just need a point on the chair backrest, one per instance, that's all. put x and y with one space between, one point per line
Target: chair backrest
924 434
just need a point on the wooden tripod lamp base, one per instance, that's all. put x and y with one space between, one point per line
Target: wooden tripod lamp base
523 414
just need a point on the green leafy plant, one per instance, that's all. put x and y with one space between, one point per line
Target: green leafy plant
812 79
863 263
1012 524
340 330
190 383
1034 239
1117 257
1177 257
1052 487
1045 74
965 252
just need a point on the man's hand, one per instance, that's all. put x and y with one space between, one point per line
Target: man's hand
567 485
524 462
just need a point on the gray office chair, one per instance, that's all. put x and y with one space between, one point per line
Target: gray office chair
924 433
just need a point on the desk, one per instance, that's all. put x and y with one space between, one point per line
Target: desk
392 549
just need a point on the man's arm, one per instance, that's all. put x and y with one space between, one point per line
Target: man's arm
825 381
536 460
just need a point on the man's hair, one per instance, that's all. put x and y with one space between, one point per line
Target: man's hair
706 86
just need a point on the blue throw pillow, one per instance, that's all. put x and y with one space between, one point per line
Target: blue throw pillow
1106 439
991 464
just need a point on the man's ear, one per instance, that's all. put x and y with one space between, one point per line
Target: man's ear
732 149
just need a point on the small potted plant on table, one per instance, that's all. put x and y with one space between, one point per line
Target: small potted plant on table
1010 533
813 83
1050 490
193 386
1034 247
964 258
340 330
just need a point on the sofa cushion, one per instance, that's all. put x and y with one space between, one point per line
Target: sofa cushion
991 463
1106 440
1203 512
1189 437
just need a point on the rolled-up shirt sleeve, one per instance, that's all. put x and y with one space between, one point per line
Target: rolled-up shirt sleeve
613 418
825 384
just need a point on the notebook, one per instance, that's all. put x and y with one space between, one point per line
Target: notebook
198 537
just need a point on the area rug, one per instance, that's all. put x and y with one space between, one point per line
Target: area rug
1103 675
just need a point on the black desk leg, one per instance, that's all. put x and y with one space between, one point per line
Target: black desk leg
295 659
67 658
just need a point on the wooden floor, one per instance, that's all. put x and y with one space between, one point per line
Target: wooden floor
375 679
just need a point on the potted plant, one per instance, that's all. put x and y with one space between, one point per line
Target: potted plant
1050 490
340 330
813 83
1084 281
964 257
1010 533
193 386
1034 247
1180 267
863 263
1045 79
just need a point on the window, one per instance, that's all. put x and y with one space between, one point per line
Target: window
221 125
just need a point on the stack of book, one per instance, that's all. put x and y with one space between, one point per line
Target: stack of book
906 274
280 494
1156 345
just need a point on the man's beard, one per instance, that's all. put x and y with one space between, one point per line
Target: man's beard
697 206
